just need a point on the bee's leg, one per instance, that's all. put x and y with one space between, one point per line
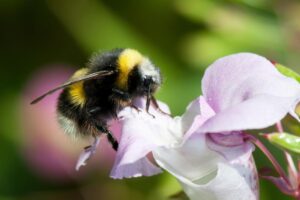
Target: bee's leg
111 139
135 108
101 127
93 111
148 101
92 147
120 94
156 106
121 98
125 96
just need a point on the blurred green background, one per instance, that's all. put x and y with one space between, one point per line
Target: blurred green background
182 37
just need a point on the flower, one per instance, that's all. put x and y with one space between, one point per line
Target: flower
206 148
200 170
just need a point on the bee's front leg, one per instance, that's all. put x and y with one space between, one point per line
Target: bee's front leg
156 106
121 98
120 94
135 108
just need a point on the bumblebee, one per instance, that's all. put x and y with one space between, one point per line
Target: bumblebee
96 93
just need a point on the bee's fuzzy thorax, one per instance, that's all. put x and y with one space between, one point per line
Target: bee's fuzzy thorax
128 59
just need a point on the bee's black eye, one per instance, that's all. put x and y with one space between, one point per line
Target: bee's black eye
148 81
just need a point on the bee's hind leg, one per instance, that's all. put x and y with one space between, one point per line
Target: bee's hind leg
102 127
92 148
110 137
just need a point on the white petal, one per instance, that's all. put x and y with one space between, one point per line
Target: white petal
192 160
228 184
205 174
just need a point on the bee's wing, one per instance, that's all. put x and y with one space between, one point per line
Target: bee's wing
94 75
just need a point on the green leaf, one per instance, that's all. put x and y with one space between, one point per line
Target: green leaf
285 141
288 72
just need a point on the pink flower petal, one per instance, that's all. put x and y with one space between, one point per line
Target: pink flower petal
256 113
198 107
196 114
247 92
141 167
141 133
134 146
87 153
230 146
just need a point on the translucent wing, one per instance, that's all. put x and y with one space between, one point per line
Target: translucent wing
94 75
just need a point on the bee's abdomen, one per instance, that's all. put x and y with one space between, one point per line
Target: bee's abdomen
76 91
72 117
68 125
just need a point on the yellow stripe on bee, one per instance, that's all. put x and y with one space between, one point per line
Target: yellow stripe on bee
128 59
76 91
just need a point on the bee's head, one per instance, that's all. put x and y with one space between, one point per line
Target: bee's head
144 79
138 74
150 77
